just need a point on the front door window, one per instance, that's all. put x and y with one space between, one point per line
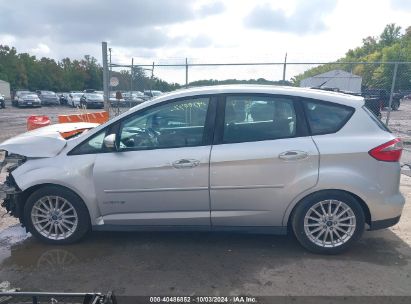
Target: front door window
172 125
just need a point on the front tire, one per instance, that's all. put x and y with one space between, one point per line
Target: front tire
328 222
56 215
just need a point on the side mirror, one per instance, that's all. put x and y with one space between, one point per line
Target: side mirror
110 141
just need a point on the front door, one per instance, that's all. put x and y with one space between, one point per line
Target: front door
159 173
262 161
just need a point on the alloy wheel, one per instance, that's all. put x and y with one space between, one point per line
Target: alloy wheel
54 217
329 223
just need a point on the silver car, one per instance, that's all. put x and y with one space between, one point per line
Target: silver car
238 158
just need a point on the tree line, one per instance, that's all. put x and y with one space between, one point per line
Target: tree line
390 46
24 71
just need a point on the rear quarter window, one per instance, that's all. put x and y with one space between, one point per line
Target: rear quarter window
326 117
376 120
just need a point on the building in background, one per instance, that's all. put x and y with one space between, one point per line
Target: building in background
5 89
336 79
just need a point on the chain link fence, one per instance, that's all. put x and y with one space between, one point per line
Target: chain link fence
385 86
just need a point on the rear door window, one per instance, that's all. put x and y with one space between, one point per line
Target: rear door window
325 117
257 118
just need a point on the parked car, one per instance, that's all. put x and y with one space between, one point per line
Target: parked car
152 93
313 162
63 98
383 96
138 94
26 99
74 99
92 100
16 96
2 101
132 99
48 98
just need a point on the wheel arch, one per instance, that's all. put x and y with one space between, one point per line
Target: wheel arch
25 194
362 203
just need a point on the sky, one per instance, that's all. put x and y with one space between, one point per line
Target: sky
203 31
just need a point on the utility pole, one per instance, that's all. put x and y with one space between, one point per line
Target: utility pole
152 77
186 73
109 73
131 74
285 67
105 76
394 78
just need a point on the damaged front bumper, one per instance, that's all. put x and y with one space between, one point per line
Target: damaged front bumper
10 193
12 198
8 188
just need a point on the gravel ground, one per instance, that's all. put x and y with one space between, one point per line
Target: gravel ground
205 263
400 121
13 120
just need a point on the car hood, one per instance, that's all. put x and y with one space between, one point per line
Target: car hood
43 142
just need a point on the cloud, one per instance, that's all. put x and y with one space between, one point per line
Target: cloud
211 8
307 17
126 23
401 4
41 49
200 41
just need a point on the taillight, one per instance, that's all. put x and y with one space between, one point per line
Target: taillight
390 151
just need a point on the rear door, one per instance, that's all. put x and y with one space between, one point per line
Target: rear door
262 159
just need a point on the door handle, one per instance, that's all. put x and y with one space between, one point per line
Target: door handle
293 155
185 163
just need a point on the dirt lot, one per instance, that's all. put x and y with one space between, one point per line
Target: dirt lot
13 120
205 263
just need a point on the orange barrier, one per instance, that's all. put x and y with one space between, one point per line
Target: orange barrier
34 122
97 117
72 133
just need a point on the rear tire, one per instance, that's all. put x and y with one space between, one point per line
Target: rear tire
56 215
328 222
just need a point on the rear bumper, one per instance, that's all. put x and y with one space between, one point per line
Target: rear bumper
28 105
50 102
385 208
376 225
